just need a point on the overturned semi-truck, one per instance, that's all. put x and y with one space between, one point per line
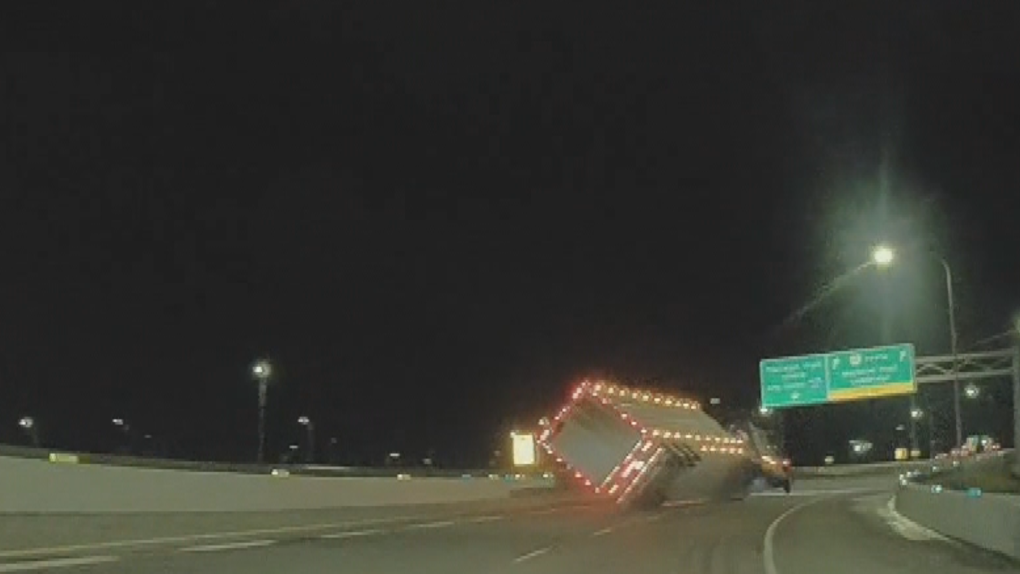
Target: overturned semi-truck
645 448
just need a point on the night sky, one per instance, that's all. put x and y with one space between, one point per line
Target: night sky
435 219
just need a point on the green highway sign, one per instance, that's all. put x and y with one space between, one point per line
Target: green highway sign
837 376
794 381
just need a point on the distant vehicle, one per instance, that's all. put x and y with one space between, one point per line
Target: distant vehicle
778 472
773 467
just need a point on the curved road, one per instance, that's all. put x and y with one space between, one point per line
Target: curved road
825 526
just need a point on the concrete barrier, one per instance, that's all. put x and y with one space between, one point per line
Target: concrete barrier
883 468
40 486
991 521
239 467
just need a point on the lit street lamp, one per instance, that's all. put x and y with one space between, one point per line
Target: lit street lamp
310 427
261 370
764 411
916 414
126 429
28 425
971 391
883 256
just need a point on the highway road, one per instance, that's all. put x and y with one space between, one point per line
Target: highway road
831 526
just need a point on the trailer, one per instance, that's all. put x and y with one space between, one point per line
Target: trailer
645 448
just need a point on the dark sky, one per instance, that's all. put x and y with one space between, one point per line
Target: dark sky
434 217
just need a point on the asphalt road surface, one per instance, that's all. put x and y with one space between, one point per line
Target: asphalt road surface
831 527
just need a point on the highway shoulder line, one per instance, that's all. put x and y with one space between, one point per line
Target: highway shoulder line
769 553
906 527
479 519
602 532
194 538
352 533
684 503
428 525
244 544
32 565
781 494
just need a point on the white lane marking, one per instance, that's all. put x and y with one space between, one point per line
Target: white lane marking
603 532
904 526
683 503
769 555
184 539
56 563
781 494
478 519
229 546
427 525
542 512
352 534
532 554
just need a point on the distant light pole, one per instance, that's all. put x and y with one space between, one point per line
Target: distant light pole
915 415
126 429
883 256
261 370
332 450
28 425
310 427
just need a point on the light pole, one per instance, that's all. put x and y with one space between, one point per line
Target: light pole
126 429
261 370
310 427
953 346
915 415
29 426
883 256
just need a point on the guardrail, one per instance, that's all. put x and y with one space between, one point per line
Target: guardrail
876 468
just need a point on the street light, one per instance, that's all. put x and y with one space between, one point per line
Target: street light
31 429
261 370
883 256
307 423
764 411
916 413
971 391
